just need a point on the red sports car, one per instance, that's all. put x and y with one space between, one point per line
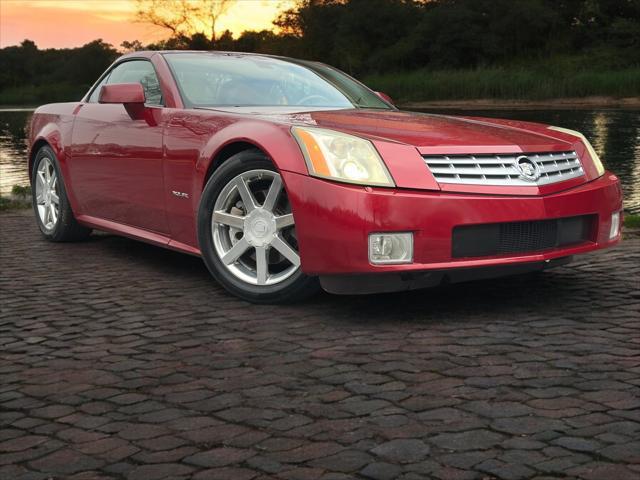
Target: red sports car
286 175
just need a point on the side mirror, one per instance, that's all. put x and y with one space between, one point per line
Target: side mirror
385 97
126 93
131 95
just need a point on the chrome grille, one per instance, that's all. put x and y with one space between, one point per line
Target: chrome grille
501 169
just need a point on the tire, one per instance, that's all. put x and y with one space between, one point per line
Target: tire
60 226
243 244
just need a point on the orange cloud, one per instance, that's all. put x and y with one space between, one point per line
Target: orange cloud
71 23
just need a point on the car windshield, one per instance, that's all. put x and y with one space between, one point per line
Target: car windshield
233 80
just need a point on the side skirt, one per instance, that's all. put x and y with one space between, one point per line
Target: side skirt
137 234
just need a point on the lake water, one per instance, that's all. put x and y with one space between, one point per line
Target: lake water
615 135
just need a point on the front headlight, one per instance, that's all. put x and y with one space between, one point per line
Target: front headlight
342 157
592 153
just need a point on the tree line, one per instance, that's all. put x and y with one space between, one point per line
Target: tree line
366 37
374 36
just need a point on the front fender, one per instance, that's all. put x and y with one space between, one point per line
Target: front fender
274 140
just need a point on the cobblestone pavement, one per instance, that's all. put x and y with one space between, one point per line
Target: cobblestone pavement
122 360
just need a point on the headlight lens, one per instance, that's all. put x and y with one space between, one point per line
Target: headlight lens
342 157
592 153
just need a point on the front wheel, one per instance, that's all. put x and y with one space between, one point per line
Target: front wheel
50 202
247 232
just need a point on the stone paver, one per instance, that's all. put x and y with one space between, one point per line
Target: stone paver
119 360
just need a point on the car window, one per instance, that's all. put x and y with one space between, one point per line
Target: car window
134 71
207 80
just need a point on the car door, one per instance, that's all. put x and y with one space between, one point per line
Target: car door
116 160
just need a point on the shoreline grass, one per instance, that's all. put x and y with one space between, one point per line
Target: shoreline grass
41 94
631 221
540 83
10 204
20 198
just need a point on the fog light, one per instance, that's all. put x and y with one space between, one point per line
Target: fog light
615 225
385 248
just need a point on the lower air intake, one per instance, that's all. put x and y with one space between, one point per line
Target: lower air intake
520 237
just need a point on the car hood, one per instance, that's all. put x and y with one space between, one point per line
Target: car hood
427 131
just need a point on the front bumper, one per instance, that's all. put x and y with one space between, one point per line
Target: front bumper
333 222
360 284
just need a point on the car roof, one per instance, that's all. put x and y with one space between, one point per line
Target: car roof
151 53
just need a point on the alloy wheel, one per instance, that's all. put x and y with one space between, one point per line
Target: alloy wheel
47 194
253 229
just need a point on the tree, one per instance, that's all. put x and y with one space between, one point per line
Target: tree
132 46
88 62
355 35
183 17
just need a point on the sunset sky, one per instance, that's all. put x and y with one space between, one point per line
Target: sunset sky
72 23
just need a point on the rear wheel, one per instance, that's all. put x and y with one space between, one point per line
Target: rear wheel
50 203
247 232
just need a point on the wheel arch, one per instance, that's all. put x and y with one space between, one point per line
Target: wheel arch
273 140
35 148
227 151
